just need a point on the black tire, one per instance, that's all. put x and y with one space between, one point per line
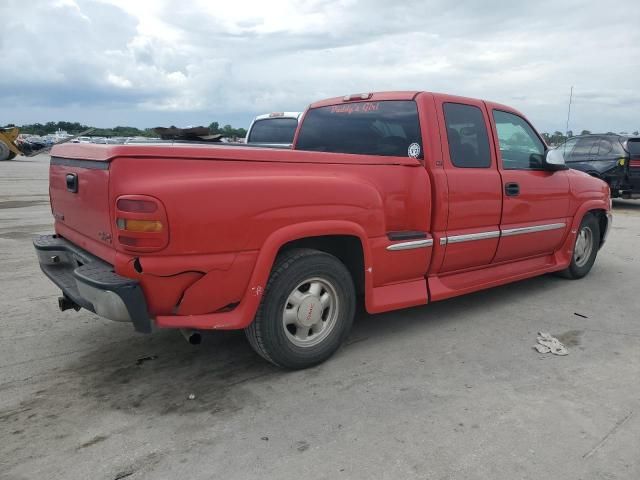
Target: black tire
274 341
581 265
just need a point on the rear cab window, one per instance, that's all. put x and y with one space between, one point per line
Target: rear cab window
273 130
385 128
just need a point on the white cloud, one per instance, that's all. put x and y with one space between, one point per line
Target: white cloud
151 62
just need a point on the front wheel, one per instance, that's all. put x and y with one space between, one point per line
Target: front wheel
585 249
306 312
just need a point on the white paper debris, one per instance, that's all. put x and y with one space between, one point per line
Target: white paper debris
542 348
549 344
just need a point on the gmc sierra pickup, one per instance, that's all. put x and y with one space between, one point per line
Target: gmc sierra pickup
395 198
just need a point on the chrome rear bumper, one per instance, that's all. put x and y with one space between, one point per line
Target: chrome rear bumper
91 283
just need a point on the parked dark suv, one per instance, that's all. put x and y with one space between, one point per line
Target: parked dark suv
613 158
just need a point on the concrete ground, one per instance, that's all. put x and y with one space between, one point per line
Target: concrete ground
452 390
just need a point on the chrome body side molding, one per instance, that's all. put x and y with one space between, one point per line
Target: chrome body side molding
470 237
410 245
536 228
503 233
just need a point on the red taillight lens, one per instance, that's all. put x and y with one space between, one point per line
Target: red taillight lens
136 206
142 223
140 243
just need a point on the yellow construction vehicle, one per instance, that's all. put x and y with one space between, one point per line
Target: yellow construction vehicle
8 147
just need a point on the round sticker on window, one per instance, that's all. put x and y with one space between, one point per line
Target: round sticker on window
414 150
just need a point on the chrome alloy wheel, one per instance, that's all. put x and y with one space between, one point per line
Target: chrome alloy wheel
584 246
310 312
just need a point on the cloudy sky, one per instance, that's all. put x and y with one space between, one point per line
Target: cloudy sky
150 63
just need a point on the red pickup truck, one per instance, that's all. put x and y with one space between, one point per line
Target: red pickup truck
395 198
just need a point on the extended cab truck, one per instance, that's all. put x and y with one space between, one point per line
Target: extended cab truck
404 197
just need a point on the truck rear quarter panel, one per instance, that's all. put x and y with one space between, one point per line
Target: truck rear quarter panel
225 215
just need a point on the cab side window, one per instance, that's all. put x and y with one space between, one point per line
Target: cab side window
467 136
520 147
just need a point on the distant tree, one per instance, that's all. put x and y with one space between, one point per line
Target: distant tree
230 132
214 127
75 128
585 132
623 133
636 132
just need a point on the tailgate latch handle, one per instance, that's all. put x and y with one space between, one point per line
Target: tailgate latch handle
72 182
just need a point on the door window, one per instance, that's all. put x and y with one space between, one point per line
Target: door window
567 148
605 148
467 136
520 147
583 150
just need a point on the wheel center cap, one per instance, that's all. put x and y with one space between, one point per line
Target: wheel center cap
310 311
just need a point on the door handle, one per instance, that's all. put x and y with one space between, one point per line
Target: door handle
511 189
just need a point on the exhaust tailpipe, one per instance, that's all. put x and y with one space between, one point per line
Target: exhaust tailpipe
192 336
65 303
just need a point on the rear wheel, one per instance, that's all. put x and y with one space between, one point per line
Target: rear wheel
306 312
585 249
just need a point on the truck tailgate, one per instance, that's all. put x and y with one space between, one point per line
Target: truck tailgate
79 191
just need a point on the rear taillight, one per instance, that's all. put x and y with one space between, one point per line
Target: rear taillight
136 206
141 223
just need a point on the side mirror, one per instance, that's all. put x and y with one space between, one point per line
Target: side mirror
554 160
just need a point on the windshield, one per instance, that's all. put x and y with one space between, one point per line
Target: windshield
273 130
387 128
